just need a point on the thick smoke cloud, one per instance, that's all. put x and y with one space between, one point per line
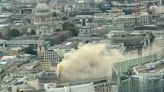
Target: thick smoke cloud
91 61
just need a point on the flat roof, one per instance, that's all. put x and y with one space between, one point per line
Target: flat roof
4 25
133 16
69 44
2 41
154 67
128 37
5 14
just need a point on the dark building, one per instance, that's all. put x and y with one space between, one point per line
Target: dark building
134 41
48 77
147 27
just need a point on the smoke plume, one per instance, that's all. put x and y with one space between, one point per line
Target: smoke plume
90 61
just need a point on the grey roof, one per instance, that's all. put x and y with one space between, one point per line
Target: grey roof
69 45
41 7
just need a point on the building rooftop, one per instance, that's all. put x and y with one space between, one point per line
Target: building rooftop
150 68
2 41
83 16
133 15
2 15
36 37
41 7
127 37
83 39
69 44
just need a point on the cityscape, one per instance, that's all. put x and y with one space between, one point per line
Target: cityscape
81 45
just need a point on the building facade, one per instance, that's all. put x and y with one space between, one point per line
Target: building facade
144 74
42 19
51 56
128 20
95 86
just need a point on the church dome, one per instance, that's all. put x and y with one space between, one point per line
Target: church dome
42 8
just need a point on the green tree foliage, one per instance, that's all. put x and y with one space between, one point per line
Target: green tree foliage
65 18
2 71
13 33
57 30
30 50
28 20
70 27
33 32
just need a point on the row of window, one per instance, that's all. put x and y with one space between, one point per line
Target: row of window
104 87
85 31
131 22
42 19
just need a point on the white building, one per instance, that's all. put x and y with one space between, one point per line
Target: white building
24 43
96 86
141 19
82 4
51 56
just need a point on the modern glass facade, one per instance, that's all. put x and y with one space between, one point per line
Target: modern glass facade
142 84
138 83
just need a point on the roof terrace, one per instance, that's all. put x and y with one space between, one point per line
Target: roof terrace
150 68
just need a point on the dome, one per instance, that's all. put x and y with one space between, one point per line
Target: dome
42 8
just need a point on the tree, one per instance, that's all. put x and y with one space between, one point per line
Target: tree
13 33
2 71
54 14
4 9
57 30
28 20
33 32
65 18
30 50
70 27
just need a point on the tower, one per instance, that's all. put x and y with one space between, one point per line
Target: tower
42 19
41 46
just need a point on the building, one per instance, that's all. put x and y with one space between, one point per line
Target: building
85 25
27 10
83 19
143 74
24 43
26 69
67 47
42 19
160 20
47 77
25 87
45 65
85 31
133 41
5 22
84 39
82 4
93 86
51 56
130 20
14 51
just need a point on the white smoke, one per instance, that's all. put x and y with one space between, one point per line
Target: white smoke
91 61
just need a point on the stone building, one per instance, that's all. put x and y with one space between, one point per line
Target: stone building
42 19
